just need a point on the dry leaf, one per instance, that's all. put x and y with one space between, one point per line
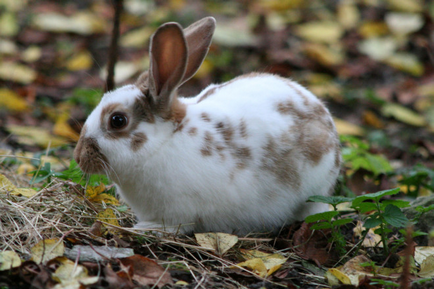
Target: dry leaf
234 34
324 54
427 267
94 194
31 54
346 128
80 61
46 250
351 272
63 129
378 48
373 29
423 252
146 271
9 25
219 242
123 70
348 14
7 186
406 62
108 216
261 263
9 260
82 23
137 38
16 72
371 239
320 31
404 23
403 114
406 5
71 275
32 135
12 101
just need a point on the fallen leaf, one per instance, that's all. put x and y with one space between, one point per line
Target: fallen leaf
371 240
7 186
234 34
71 275
272 262
47 249
63 129
9 260
406 5
371 29
80 61
137 38
32 135
31 54
8 47
146 271
403 114
378 48
423 252
352 272
406 62
9 25
17 72
108 216
96 195
404 23
324 54
123 70
346 128
312 245
348 14
81 23
342 277
12 101
320 31
427 267
219 242
256 265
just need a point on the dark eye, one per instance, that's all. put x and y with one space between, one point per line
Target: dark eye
118 121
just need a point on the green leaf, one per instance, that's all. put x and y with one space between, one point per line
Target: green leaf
378 164
398 203
320 226
321 216
394 216
371 223
332 200
365 207
374 196
341 222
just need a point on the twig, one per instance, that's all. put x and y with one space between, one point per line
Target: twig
113 50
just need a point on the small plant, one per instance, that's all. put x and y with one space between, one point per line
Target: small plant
386 284
375 212
356 156
417 178
330 220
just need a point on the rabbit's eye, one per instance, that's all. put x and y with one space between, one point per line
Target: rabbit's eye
118 121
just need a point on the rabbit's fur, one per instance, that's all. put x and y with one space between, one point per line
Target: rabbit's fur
240 157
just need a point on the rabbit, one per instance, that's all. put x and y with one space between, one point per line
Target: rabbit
241 157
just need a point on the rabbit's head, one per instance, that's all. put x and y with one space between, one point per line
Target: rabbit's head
141 116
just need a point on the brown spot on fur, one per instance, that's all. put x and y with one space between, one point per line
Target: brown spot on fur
279 161
208 144
181 125
243 128
192 131
226 130
243 155
298 91
337 156
208 93
138 140
89 157
205 117
178 110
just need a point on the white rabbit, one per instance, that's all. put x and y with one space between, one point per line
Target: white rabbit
240 157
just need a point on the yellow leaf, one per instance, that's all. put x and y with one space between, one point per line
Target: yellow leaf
402 114
7 186
136 38
69 273
31 54
12 101
343 127
62 128
9 260
47 249
323 54
348 14
16 72
204 69
32 135
106 198
272 262
371 239
423 252
256 265
427 267
373 29
25 168
82 23
80 61
8 24
181 283
320 31
406 62
92 192
108 216
219 242
340 275
406 5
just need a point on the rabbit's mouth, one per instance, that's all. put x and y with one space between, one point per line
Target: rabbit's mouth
89 157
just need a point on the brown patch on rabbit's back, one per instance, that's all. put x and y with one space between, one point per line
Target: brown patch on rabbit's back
192 131
205 117
138 140
243 129
207 145
279 161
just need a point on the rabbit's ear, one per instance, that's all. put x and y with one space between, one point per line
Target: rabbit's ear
198 36
168 60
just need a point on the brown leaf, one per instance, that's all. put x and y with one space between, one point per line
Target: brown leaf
311 245
147 271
